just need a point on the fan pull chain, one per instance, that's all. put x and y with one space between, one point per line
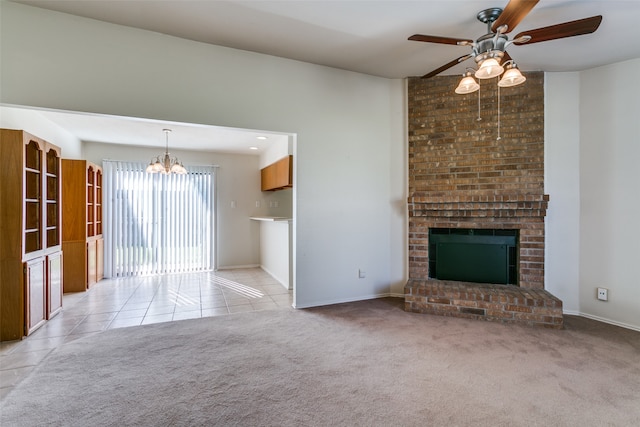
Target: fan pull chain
498 138
479 118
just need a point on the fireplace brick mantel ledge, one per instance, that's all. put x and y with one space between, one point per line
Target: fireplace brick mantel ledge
531 206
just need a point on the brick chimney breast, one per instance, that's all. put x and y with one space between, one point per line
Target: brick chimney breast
462 176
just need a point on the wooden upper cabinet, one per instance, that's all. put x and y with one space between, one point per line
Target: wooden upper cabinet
32 231
98 202
278 175
82 191
91 205
268 178
31 194
52 197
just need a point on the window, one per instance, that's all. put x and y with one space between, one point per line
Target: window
155 223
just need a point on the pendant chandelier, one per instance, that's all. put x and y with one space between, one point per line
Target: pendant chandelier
165 163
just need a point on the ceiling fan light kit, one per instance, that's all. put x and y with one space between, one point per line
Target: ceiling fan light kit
512 76
489 50
489 68
468 84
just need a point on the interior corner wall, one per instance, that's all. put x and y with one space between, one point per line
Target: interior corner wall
609 193
347 125
398 184
562 184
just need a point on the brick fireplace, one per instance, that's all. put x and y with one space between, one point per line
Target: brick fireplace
461 176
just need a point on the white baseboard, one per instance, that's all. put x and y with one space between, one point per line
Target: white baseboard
235 267
609 321
340 301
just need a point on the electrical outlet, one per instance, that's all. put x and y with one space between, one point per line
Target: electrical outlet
233 204
603 294
257 203
362 274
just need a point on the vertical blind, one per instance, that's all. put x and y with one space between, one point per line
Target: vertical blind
156 223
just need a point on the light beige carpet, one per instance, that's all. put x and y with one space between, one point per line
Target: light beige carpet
358 364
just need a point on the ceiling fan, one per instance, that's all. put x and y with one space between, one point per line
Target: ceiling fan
489 51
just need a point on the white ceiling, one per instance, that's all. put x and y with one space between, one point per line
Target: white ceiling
148 133
364 36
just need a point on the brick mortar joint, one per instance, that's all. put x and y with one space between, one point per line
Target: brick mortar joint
466 198
470 206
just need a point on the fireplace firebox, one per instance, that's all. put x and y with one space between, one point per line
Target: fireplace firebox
474 255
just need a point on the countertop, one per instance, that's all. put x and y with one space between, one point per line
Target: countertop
270 218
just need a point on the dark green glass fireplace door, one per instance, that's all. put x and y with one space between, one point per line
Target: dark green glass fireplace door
473 258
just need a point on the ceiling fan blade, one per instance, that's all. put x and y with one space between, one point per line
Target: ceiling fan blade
513 13
438 39
446 66
559 31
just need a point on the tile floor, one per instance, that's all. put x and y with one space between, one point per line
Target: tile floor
138 301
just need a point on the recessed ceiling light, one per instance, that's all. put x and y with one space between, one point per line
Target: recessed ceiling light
261 137
253 148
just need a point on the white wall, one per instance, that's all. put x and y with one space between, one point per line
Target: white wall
275 255
275 151
36 124
592 175
562 184
610 191
349 128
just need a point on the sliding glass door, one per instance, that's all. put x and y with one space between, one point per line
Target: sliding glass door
155 223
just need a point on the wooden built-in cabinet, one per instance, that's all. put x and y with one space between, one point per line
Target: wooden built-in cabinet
278 175
82 224
99 259
54 278
36 294
30 233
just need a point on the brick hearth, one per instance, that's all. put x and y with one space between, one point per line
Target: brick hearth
508 304
462 176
